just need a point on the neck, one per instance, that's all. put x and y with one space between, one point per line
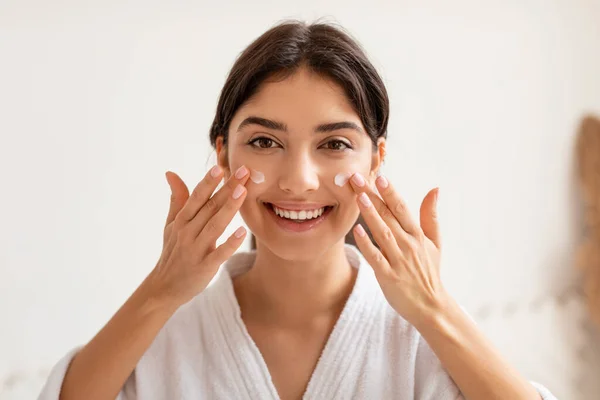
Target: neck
293 293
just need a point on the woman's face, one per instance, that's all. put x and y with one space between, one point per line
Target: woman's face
302 132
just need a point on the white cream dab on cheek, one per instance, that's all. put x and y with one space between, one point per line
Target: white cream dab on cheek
257 176
342 178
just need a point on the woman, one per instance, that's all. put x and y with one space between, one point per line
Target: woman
299 134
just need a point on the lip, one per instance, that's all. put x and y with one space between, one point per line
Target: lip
297 206
298 227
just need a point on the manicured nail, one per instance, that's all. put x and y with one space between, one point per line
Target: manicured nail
341 178
381 182
215 171
241 172
364 199
239 190
239 232
360 230
358 180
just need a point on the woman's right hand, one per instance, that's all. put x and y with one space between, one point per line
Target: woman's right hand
190 258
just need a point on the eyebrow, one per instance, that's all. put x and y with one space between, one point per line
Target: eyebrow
280 126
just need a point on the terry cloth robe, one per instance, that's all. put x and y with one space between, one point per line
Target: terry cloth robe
205 352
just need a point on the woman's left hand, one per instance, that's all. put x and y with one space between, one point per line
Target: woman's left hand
407 262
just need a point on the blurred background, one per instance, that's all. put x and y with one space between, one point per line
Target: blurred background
99 98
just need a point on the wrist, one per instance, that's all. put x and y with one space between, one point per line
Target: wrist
437 314
154 300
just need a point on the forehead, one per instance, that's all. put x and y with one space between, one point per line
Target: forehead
304 98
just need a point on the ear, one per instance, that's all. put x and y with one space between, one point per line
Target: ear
377 158
222 159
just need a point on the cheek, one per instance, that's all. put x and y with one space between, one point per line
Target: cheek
339 173
260 166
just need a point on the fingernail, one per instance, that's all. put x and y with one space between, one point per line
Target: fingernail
239 232
239 190
364 199
382 182
241 172
215 171
360 230
358 180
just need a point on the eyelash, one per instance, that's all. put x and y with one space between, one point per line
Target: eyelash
256 140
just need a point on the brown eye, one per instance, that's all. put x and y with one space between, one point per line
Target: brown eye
262 143
337 145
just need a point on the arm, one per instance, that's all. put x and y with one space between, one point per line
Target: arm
406 264
99 370
471 360
189 261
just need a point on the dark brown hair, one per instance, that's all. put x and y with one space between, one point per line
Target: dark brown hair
323 48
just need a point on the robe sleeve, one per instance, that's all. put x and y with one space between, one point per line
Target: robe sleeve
53 385
432 381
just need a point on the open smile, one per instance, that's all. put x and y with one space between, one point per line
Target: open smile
300 218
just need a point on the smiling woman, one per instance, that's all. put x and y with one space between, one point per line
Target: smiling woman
303 112
300 134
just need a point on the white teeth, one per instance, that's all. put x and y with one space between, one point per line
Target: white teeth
299 215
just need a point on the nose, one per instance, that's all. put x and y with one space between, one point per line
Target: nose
299 175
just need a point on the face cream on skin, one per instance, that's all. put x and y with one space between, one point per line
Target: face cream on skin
342 178
257 176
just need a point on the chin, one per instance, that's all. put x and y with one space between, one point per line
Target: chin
302 251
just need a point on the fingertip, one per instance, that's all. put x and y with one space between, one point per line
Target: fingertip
239 232
241 172
364 200
238 191
360 231
216 171
381 182
358 180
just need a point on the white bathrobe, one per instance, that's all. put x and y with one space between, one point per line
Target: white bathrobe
205 352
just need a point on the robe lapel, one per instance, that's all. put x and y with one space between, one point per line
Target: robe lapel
338 371
336 374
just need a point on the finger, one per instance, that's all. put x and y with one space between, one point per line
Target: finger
429 218
359 185
201 193
221 197
397 205
226 249
210 231
382 233
371 253
179 195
